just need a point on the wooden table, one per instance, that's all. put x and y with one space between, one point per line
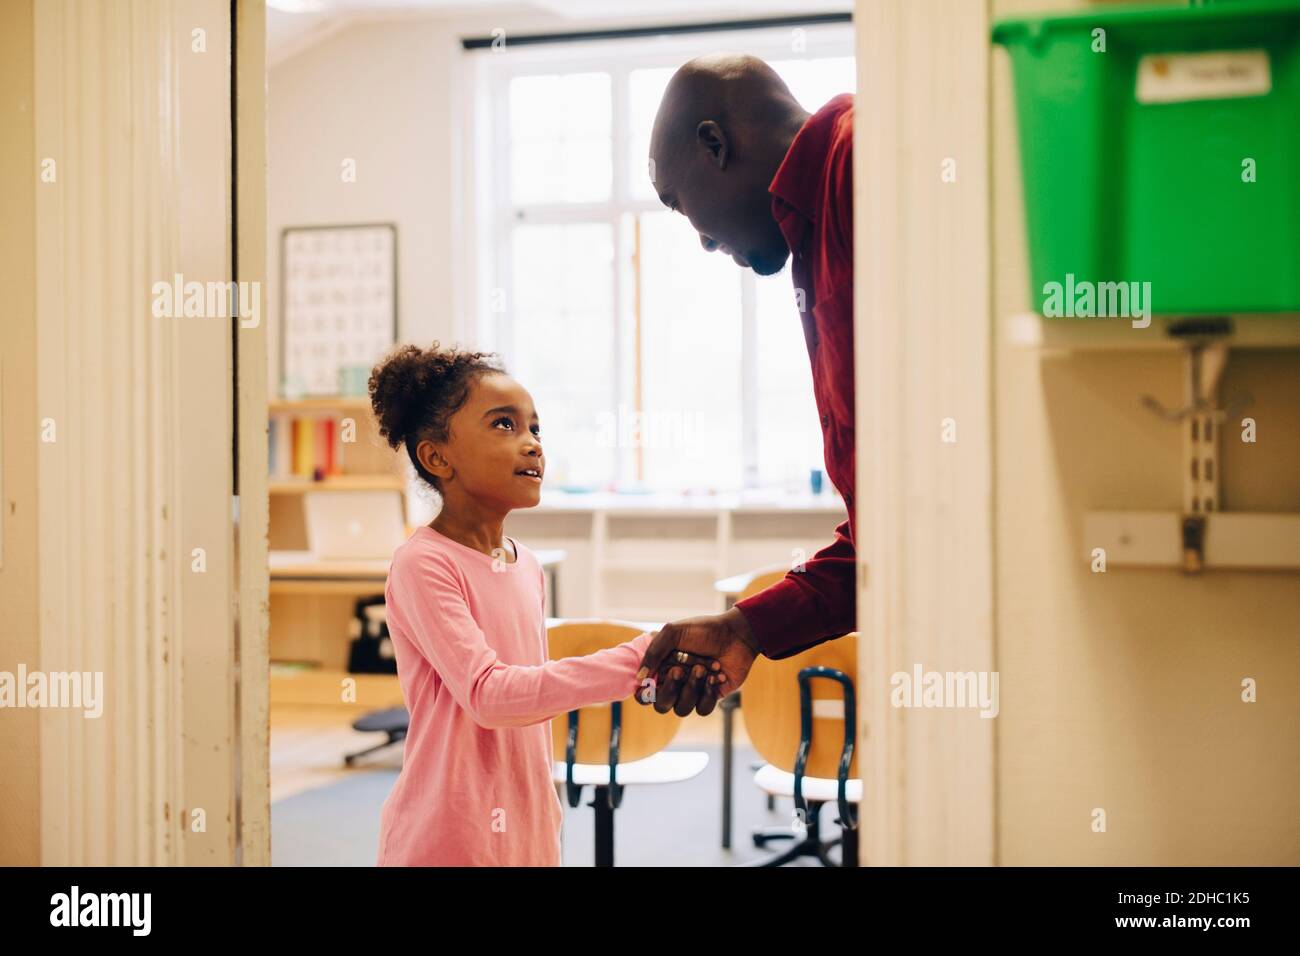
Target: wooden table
309 596
300 572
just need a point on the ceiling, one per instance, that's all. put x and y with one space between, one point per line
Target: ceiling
294 25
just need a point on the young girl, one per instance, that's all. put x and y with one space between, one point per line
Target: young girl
466 616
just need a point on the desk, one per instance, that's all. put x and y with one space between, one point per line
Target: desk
300 572
314 595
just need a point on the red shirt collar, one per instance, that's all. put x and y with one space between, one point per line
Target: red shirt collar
798 180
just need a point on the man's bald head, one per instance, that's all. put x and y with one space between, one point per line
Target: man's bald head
725 123
736 90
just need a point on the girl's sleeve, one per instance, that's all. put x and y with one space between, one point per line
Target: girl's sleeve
495 694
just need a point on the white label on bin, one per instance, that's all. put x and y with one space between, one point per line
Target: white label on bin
831 708
1176 77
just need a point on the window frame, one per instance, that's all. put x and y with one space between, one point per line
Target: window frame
490 75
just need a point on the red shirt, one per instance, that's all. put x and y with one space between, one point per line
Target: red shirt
812 201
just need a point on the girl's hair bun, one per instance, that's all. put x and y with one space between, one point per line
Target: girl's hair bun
415 391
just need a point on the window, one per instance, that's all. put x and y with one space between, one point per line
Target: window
653 364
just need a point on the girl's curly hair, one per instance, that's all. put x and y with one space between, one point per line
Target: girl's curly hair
414 392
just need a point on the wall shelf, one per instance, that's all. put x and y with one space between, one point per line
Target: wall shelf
300 486
629 555
664 565
1202 535
1030 330
1240 541
306 406
309 616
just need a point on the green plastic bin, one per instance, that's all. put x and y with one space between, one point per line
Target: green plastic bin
1135 159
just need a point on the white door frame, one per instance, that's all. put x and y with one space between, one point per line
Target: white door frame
253 794
923 356
137 557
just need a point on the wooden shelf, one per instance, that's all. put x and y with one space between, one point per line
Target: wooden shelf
292 406
299 486
323 686
1233 541
688 506
1030 330
311 602
667 564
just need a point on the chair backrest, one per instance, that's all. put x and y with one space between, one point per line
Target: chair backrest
643 731
770 707
770 701
759 579
762 579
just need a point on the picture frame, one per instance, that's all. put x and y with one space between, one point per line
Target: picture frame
338 305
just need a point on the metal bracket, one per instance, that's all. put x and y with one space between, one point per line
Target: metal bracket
1200 417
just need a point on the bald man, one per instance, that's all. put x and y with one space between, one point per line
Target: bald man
763 181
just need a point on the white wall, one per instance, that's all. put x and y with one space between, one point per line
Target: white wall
382 94
393 95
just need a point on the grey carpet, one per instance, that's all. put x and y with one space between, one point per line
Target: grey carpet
672 825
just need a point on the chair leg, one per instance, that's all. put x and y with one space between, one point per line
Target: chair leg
849 848
604 827
728 715
393 738
765 835
796 851
771 800
824 851
809 845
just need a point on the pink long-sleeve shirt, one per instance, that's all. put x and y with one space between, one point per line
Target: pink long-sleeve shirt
469 634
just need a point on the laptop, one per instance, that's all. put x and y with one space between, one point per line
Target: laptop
354 525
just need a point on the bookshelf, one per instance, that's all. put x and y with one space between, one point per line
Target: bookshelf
311 610
323 460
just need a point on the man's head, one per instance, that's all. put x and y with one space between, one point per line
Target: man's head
725 123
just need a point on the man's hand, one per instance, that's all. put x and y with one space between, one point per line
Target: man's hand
724 637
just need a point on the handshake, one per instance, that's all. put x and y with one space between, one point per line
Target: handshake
696 661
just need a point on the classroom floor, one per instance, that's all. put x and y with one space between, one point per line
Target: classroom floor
324 814
308 744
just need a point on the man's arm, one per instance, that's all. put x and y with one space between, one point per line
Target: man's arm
807 607
803 609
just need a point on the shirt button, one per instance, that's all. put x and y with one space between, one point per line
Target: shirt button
826 420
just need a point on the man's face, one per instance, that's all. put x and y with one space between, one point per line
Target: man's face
731 213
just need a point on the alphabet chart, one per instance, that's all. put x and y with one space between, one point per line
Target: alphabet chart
338 302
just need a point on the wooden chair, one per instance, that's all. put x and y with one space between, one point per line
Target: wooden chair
612 746
801 715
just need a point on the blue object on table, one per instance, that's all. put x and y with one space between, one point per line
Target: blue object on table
815 480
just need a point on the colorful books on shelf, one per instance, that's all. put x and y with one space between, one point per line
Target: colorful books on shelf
304 446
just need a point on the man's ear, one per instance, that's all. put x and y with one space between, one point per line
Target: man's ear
710 135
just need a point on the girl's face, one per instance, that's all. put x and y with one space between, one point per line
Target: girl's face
494 442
